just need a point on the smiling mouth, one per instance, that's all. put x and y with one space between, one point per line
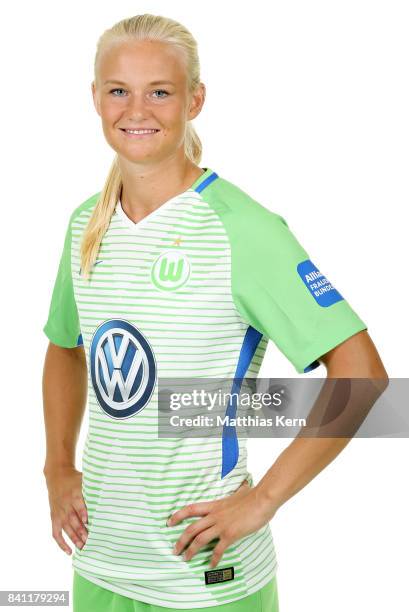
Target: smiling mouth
141 132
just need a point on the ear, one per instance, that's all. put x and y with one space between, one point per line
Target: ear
197 101
95 97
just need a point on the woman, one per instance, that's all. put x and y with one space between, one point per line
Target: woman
174 271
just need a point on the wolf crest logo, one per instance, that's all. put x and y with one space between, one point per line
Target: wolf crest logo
123 368
171 270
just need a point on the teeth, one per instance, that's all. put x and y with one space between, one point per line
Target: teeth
140 131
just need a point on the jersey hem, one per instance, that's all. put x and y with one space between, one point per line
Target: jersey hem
326 344
172 604
58 342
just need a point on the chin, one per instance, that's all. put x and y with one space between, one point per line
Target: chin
134 157
133 152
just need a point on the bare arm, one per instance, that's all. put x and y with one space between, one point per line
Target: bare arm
305 457
248 509
64 400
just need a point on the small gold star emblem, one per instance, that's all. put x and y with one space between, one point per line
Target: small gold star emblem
177 241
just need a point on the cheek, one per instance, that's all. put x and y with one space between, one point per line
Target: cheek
172 114
109 111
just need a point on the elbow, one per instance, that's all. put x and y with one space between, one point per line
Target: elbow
382 378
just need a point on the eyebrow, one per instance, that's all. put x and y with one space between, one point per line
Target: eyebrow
151 83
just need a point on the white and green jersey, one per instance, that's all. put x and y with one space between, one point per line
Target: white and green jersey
194 289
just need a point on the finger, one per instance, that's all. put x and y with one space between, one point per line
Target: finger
218 552
190 532
80 508
202 538
58 537
198 509
77 525
75 538
245 484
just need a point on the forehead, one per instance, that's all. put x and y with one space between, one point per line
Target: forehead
141 61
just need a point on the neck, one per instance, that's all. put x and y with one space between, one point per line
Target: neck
145 188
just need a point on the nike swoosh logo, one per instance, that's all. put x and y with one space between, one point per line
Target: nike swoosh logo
96 263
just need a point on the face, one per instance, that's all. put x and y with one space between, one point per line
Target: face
142 85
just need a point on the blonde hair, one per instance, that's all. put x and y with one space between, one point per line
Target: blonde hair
139 27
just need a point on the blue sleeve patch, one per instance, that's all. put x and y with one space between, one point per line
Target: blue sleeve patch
318 285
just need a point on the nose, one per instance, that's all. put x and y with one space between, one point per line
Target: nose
136 107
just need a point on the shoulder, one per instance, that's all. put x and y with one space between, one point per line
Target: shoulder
239 211
85 208
254 230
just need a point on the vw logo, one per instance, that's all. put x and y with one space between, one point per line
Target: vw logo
123 368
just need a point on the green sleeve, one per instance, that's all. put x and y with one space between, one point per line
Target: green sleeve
62 325
281 293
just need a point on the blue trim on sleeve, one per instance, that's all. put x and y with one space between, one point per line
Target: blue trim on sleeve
230 446
80 341
206 182
312 366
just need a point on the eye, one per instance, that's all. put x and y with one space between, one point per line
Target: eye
166 92
118 89
112 91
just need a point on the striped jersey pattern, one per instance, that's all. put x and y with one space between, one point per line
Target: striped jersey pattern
133 480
